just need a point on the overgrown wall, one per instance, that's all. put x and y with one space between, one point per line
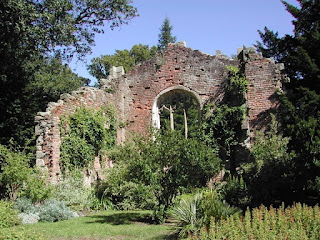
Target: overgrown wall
136 93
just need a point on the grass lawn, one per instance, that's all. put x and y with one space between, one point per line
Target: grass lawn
106 225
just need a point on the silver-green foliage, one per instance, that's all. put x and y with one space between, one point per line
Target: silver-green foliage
71 190
51 210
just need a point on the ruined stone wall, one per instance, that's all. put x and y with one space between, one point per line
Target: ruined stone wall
192 70
48 125
135 94
264 77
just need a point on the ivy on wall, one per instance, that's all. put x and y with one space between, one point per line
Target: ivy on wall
86 134
222 122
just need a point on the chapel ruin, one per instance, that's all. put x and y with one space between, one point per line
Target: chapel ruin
137 95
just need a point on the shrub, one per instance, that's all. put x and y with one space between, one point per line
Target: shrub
188 214
296 222
53 211
8 216
36 188
21 234
24 205
29 218
19 178
236 192
125 195
191 214
15 170
71 191
270 173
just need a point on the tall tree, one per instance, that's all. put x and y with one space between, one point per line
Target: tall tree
300 108
300 52
165 36
32 30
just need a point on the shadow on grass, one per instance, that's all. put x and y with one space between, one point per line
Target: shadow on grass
121 218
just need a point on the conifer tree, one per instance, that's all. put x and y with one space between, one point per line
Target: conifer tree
300 107
165 35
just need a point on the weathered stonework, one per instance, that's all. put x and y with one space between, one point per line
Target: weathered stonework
137 94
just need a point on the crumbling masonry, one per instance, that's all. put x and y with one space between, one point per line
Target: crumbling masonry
136 95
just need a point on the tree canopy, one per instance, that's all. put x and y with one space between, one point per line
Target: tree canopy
100 66
32 32
300 108
300 52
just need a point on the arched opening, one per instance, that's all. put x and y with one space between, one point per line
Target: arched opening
177 108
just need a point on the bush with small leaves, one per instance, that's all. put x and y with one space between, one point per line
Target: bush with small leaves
71 191
19 234
24 205
8 215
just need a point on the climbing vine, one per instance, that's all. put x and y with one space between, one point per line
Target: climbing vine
222 121
85 134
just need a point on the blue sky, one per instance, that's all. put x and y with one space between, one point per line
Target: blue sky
205 25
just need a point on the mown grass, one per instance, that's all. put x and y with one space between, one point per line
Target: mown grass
106 225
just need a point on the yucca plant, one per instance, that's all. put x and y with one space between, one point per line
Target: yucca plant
188 214
191 214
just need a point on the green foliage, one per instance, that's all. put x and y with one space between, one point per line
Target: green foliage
32 31
236 192
9 216
300 115
299 51
165 36
271 169
36 188
86 134
296 222
52 79
215 208
188 215
299 110
53 211
20 233
222 122
180 102
164 167
19 178
71 191
193 213
237 84
15 170
76 152
119 192
100 66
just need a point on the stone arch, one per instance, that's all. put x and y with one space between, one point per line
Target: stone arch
166 92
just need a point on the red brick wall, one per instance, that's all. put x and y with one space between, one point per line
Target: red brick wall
134 93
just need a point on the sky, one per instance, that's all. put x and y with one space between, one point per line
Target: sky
205 25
